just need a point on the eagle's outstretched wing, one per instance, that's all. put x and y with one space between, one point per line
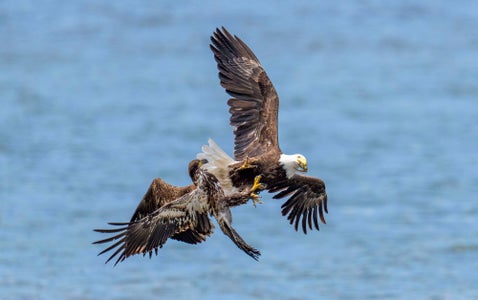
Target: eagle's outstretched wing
255 104
158 194
186 217
307 200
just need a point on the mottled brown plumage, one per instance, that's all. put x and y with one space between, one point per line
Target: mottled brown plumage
161 193
185 218
254 115
158 194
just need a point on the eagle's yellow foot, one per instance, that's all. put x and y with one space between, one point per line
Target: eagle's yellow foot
256 186
246 165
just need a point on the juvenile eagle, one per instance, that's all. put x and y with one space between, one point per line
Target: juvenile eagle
185 218
254 110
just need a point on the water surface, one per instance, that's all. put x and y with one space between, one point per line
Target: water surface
98 98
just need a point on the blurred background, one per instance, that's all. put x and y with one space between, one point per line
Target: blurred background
99 97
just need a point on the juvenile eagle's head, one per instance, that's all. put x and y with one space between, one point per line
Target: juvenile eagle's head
194 169
293 163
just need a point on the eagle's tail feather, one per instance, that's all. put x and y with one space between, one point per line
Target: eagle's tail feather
215 156
217 164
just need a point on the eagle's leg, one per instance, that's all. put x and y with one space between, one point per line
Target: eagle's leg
246 164
257 186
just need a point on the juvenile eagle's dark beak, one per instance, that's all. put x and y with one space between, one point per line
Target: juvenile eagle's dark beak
202 162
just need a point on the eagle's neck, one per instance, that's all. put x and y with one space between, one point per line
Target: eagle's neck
289 164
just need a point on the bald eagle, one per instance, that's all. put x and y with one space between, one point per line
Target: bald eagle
254 110
161 216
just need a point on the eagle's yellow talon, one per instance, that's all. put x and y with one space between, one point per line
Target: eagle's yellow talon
256 186
246 164
257 183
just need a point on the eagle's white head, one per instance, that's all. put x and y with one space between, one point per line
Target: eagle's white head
293 163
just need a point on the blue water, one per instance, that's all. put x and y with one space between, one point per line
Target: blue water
99 97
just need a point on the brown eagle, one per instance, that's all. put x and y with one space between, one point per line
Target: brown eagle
254 110
180 213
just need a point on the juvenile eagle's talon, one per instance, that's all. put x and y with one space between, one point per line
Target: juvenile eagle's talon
255 199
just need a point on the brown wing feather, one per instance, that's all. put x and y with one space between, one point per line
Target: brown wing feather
255 104
158 194
147 234
307 200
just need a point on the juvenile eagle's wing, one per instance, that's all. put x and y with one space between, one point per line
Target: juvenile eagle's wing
307 200
254 104
158 194
185 216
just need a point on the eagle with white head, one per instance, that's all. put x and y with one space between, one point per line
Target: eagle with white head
254 110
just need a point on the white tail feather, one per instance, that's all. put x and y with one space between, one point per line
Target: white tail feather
217 164
215 156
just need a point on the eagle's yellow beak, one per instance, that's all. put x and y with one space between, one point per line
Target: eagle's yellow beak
302 161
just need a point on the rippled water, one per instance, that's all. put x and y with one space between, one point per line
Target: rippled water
98 98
